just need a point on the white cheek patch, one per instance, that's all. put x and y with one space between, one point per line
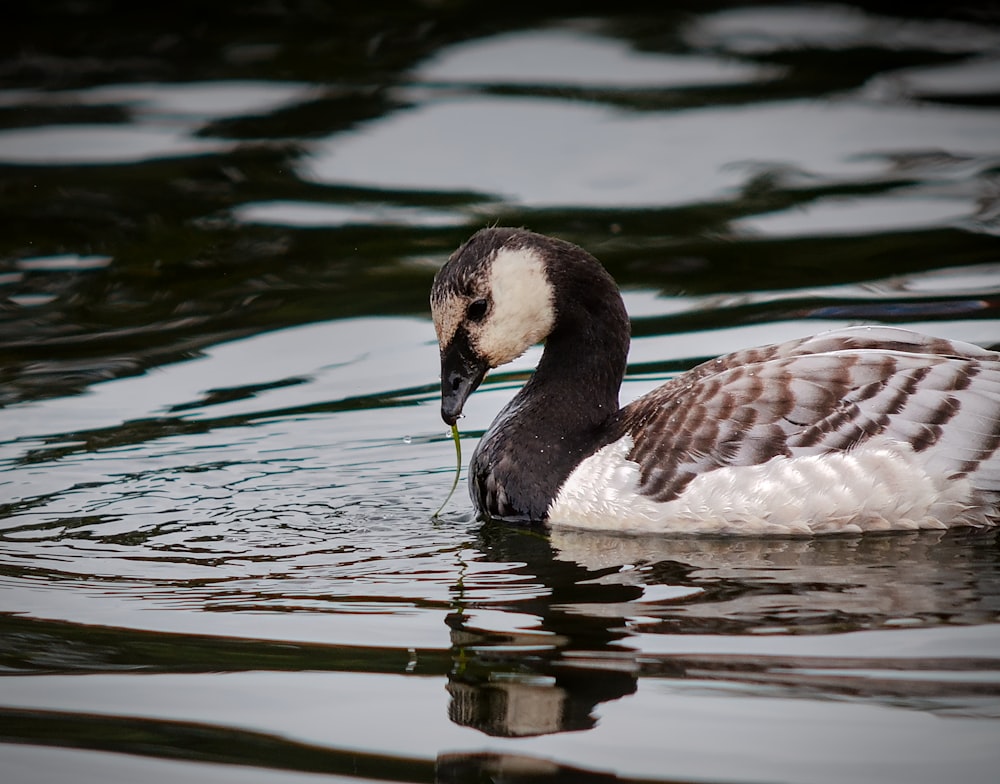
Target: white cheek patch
523 312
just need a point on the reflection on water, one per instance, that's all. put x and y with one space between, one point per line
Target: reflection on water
833 584
640 162
219 442
606 597
836 27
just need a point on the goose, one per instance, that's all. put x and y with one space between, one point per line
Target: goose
851 430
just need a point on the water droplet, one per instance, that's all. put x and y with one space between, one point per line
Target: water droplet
407 439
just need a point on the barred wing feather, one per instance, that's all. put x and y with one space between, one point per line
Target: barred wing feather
827 393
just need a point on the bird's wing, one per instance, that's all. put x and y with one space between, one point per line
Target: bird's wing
827 393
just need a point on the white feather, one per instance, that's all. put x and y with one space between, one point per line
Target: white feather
523 312
881 485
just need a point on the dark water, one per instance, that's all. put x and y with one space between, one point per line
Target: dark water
219 443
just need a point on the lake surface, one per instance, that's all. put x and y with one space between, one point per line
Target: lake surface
220 446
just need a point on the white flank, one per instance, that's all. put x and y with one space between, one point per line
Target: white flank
523 311
882 485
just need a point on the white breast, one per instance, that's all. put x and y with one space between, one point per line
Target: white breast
880 485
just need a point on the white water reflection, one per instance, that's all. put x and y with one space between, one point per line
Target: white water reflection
61 145
859 216
773 735
47 764
338 359
304 214
66 262
764 29
973 77
576 58
548 153
195 102
187 101
164 121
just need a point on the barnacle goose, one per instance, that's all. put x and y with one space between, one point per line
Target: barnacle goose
857 429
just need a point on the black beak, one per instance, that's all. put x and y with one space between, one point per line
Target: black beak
461 374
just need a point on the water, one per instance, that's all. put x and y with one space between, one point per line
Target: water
220 451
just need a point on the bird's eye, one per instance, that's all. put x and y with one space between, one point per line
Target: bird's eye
477 309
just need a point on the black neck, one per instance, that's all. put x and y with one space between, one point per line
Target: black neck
562 413
582 369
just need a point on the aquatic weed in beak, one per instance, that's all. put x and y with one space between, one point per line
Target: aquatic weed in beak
458 469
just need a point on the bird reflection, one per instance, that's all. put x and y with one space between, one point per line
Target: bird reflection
513 769
517 683
575 646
